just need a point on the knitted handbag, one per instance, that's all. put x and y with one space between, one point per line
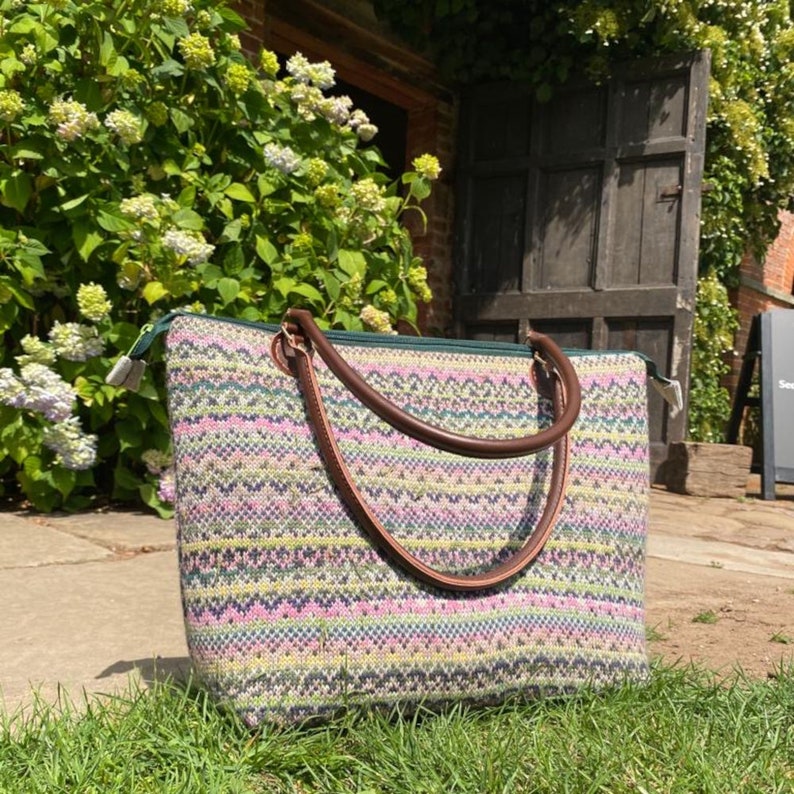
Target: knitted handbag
386 521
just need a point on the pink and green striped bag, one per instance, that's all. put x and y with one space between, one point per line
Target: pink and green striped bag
295 611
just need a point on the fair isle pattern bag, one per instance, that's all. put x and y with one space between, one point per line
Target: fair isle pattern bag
296 606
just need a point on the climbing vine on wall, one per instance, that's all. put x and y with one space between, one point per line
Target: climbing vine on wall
750 136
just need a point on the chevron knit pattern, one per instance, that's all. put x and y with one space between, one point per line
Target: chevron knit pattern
292 614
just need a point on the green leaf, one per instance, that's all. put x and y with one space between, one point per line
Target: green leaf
267 252
159 413
22 151
187 196
420 188
64 480
265 186
308 291
331 284
150 498
233 20
284 285
24 25
128 433
113 223
188 219
123 335
86 239
154 291
240 192
17 190
178 26
228 289
234 261
124 478
107 50
118 66
73 203
9 66
250 313
210 274
168 68
352 262
39 492
22 298
32 466
181 120
376 285
232 230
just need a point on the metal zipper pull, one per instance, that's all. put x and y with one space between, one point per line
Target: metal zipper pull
128 371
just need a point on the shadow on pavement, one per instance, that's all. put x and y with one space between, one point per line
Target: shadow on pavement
158 669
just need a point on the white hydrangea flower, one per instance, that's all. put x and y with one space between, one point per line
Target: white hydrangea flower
191 245
320 74
73 449
36 352
93 303
281 158
368 194
12 390
73 118
75 342
378 321
46 392
337 109
126 125
156 461
140 207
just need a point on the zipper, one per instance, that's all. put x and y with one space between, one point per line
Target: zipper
151 331
129 369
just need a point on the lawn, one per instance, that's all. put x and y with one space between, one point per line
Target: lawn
687 731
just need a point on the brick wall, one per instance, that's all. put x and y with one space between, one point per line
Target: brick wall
763 286
433 131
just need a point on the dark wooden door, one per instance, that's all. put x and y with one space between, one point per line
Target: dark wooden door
580 217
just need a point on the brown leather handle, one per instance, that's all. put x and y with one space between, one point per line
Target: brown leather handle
436 436
343 480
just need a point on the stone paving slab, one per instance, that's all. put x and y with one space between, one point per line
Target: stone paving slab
716 554
119 531
26 543
749 522
87 626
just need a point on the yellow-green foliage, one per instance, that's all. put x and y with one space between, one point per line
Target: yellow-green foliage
749 162
145 165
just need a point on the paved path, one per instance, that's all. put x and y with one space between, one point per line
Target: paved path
89 599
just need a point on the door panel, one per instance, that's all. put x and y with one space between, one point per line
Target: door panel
563 133
498 207
648 208
580 217
569 227
654 109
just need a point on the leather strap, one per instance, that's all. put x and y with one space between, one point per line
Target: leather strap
550 355
294 350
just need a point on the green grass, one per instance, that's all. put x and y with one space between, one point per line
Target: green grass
685 732
708 617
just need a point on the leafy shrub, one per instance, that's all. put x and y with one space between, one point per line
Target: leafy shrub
749 164
715 325
147 164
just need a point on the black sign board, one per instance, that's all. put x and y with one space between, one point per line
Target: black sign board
771 343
